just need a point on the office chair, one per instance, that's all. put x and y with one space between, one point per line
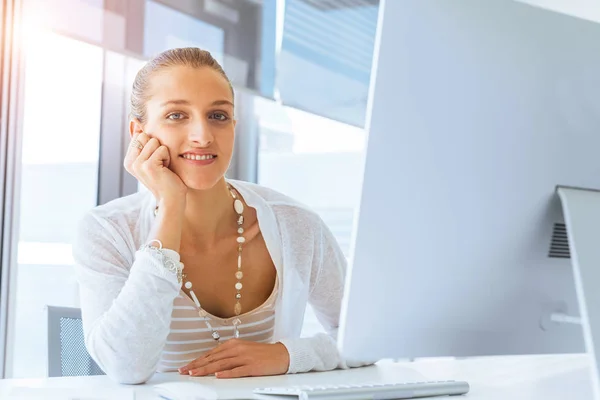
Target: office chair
67 355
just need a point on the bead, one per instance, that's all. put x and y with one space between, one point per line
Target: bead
239 206
241 220
238 296
238 275
236 322
237 308
241 230
232 193
241 239
216 335
195 299
240 261
236 334
239 286
188 285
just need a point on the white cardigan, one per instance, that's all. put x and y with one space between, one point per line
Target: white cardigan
127 296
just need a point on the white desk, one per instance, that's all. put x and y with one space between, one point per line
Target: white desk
498 378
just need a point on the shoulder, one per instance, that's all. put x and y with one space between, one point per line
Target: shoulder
285 208
117 217
110 233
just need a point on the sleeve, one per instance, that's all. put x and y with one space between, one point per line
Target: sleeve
320 352
126 301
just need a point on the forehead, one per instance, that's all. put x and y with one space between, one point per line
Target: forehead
193 84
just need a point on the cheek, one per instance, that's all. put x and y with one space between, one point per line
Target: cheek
227 137
167 135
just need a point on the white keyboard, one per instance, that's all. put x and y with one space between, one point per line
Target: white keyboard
366 391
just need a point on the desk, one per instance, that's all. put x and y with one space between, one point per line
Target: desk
549 377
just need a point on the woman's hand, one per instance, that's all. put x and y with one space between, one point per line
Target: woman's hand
150 165
238 358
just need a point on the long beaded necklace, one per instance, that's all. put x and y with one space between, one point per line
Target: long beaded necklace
237 309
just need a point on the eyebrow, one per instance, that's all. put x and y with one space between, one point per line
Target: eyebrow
185 102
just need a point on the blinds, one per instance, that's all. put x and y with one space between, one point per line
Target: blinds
326 57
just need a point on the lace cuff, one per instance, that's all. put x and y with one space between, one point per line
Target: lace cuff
170 261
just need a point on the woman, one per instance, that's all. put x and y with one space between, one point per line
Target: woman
252 257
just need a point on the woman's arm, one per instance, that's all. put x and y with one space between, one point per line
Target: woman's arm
126 299
319 352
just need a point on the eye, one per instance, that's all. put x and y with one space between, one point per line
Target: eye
175 116
219 116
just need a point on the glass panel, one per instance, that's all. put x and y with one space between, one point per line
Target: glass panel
318 162
316 155
230 30
58 15
326 54
166 28
315 160
61 127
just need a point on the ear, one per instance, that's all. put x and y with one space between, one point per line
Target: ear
135 127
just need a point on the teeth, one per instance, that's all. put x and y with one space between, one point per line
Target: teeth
198 157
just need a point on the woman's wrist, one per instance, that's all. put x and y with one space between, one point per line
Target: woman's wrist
172 205
168 223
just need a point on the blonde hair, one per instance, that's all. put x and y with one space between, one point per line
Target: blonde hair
186 56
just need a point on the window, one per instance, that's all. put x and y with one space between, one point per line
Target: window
311 141
59 179
315 160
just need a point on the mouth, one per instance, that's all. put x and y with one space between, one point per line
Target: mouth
198 157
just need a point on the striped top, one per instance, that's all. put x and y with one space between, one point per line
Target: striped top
189 336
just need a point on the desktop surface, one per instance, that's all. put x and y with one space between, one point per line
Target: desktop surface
546 377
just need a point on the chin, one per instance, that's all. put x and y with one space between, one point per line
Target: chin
202 183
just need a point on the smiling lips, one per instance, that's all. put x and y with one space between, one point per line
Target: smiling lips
189 156
199 159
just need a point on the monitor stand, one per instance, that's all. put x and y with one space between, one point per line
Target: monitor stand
581 210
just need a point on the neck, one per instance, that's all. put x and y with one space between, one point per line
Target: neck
209 215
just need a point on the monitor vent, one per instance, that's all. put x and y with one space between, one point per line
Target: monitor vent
559 246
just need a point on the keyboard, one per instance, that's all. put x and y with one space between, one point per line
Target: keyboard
405 390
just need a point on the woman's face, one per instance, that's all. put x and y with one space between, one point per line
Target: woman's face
190 110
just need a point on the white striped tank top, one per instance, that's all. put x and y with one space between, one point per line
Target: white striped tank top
190 337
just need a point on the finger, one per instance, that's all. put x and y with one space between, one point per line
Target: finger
206 360
160 157
134 151
217 366
139 163
238 372
222 347
149 148
142 139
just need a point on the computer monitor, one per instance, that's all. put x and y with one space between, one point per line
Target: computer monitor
477 111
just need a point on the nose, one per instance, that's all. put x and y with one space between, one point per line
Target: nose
201 134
